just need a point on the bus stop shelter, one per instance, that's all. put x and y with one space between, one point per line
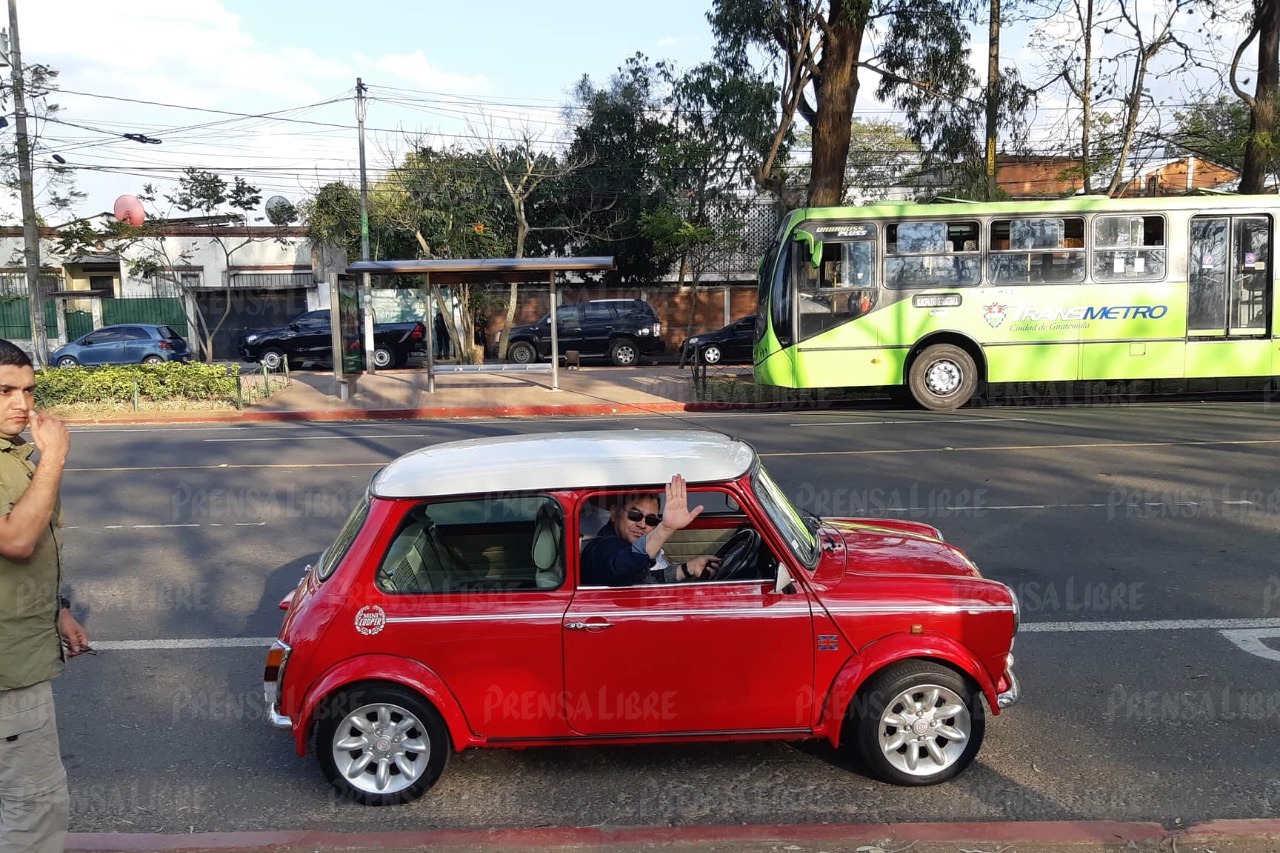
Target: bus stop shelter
446 271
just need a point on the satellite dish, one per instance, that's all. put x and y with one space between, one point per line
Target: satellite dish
280 211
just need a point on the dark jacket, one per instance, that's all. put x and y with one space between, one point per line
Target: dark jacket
610 560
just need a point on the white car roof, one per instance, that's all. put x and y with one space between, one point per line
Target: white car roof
564 460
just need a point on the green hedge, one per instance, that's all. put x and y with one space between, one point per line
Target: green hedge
154 382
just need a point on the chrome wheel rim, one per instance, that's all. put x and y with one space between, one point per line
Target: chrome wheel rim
925 729
626 355
271 360
381 749
66 361
381 358
943 377
521 354
711 355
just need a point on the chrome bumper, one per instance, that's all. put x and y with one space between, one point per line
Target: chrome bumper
280 721
1013 694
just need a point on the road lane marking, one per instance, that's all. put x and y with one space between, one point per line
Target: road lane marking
1250 640
938 422
321 437
1118 445
1220 625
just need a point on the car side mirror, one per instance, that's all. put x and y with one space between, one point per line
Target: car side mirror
293 327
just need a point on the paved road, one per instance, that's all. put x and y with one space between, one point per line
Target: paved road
1142 542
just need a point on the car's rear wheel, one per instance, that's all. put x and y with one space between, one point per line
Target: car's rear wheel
383 358
68 361
711 354
624 353
153 359
381 745
272 359
918 723
521 352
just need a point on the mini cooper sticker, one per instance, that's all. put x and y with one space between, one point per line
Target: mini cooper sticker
370 620
994 314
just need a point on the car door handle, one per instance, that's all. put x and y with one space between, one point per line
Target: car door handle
587 626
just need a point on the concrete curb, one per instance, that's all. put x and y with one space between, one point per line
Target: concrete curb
601 838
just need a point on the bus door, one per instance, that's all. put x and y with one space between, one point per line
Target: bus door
1229 277
1229 297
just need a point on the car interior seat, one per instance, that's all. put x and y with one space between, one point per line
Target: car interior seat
547 550
403 569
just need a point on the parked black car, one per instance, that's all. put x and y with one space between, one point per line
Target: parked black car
308 339
621 330
732 344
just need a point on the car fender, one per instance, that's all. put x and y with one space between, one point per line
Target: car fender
387 668
885 652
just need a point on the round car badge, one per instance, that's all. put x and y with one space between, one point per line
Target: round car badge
370 620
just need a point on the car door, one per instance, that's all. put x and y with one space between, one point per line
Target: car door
568 331
100 347
740 340
598 324
688 657
312 340
136 343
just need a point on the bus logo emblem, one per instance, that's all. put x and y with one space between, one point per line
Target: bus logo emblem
994 314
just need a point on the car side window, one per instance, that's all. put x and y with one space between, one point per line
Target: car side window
103 336
597 314
134 333
476 546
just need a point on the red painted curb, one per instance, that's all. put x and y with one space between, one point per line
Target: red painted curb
432 413
1029 832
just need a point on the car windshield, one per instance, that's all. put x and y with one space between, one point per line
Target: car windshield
785 517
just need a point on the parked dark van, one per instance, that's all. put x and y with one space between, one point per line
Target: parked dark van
621 330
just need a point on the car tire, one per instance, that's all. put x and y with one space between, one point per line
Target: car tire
624 353
272 359
371 766
918 723
68 361
943 378
521 352
153 359
711 354
383 358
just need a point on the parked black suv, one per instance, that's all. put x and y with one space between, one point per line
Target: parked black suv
307 339
621 330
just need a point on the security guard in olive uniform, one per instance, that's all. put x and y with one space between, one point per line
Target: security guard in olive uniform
37 631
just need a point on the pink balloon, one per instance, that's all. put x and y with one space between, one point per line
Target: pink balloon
129 209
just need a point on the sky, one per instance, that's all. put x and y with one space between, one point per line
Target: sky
188 72
199 75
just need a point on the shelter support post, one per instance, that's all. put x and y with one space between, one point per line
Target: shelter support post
429 321
555 338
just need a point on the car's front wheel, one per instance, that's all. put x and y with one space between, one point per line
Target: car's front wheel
918 723
381 745
624 352
711 354
521 352
68 361
271 359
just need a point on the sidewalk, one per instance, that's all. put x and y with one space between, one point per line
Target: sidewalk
1232 836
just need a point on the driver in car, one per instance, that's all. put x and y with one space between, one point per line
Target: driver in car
628 547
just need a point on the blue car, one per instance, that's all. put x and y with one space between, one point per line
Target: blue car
124 344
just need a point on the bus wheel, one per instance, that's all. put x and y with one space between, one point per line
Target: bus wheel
943 377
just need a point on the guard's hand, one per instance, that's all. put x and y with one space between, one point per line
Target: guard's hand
74 636
51 436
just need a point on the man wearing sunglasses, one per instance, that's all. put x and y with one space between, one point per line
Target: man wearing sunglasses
628 548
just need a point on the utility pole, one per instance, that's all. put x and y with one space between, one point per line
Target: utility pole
30 231
366 286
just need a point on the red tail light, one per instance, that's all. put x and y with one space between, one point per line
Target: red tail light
417 333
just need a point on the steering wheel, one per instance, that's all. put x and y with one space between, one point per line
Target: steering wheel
738 552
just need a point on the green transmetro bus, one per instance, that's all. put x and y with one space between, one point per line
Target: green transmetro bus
941 298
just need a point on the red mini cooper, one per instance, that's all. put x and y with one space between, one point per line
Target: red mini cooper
450 612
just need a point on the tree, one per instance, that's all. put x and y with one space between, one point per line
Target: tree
621 131
815 48
1216 130
54 186
880 153
1261 147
